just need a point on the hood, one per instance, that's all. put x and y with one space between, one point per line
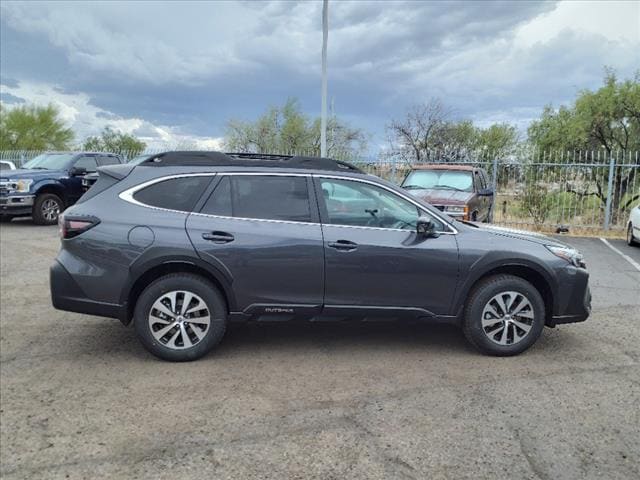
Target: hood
436 196
520 234
29 173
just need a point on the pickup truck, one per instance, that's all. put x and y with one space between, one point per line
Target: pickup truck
461 191
47 184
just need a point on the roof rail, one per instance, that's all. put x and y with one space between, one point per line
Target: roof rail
204 159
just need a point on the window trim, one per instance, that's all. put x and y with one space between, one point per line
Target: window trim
127 196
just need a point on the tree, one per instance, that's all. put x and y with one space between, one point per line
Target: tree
288 130
607 120
33 127
115 142
428 133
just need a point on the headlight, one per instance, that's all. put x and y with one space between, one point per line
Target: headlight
571 255
455 209
21 186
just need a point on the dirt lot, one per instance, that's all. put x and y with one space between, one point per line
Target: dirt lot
80 397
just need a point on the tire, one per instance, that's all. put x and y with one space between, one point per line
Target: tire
630 239
171 290
5 218
47 208
489 336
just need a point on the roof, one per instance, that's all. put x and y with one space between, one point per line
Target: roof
444 166
219 159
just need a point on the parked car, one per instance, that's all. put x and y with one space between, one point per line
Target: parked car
462 191
633 226
186 242
47 184
90 178
7 165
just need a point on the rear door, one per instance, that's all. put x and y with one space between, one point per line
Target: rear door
263 230
374 260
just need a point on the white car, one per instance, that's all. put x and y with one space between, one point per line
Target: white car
633 226
7 165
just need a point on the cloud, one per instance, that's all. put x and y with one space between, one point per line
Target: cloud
190 66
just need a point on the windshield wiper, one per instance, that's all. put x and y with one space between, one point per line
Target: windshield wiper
36 168
449 187
411 187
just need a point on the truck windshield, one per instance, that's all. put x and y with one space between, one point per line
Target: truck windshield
440 180
49 161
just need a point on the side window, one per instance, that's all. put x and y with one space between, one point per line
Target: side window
108 160
480 185
261 197
175 194
88 163
363 205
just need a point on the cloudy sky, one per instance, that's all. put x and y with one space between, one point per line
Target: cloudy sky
174 73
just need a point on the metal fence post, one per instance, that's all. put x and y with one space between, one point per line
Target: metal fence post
494 182
393 169
607 208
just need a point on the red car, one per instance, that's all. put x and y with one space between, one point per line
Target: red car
462 191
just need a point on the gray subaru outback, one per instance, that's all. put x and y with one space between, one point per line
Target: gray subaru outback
186 242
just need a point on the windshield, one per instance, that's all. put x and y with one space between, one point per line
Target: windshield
49 161
440 180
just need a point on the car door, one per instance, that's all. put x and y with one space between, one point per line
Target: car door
263 230
374 259
74 182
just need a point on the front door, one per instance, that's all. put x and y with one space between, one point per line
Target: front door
374 260
264 232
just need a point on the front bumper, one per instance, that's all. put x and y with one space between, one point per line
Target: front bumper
16 204
574 302
67 295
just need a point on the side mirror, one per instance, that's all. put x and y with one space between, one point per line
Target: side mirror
486 192
425 228
77 171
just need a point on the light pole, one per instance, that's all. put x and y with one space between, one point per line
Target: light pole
323 111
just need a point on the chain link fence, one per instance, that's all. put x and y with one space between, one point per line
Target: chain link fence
582 192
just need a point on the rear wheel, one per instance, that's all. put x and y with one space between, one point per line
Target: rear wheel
180 317
504 315
47 208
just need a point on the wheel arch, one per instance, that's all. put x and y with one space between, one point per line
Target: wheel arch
157 270
540 281
54 188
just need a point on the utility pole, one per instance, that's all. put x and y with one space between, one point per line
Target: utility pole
323 111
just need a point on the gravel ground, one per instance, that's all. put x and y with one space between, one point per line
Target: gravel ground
81 398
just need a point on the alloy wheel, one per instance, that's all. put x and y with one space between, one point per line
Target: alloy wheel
50 210
507 318
179 319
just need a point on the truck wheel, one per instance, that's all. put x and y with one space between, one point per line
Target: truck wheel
180 317
47 208
504 315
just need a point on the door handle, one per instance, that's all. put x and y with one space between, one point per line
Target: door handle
218 237
343 245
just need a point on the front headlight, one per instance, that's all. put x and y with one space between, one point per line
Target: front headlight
571 255
21 186
455 209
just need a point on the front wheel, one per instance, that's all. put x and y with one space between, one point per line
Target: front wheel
630 239
504 315
47 208
180 317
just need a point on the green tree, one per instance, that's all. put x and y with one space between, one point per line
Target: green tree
33 127
288 130
608 121
115 142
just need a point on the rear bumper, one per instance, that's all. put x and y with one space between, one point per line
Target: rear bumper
67 295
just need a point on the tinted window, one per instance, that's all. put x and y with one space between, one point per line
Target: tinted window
262 197
5 166
88 163
108 160
364 205
175 194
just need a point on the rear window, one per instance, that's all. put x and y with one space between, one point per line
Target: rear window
261 197
175 194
